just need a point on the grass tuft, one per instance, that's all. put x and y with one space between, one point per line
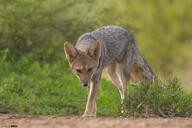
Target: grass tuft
161 98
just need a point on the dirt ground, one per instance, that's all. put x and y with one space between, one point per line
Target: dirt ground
15 121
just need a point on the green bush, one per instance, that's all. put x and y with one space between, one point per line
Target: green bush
161 98
39 27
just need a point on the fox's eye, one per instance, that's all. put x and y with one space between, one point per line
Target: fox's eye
78 70
90 69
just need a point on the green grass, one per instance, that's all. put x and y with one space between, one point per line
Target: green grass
29 87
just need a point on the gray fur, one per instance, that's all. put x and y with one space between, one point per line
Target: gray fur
115 43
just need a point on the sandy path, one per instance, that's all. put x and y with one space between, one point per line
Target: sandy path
11 121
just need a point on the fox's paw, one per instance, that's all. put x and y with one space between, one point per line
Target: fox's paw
123 110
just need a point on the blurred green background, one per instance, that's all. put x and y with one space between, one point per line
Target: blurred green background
38 28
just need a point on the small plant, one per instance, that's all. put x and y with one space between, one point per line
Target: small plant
161 98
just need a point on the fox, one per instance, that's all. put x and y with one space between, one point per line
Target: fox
110 48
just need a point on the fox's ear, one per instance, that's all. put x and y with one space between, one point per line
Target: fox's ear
94 50
70 51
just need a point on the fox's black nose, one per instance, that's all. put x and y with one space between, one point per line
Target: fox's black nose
85 84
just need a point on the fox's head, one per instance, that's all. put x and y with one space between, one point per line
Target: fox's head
83 63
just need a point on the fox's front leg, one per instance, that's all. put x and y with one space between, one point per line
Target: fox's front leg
91 108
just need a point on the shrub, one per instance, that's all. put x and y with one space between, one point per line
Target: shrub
161 98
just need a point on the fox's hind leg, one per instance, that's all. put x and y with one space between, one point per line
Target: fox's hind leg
120 71
113 76
124 68
123 71
124 78
124 74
